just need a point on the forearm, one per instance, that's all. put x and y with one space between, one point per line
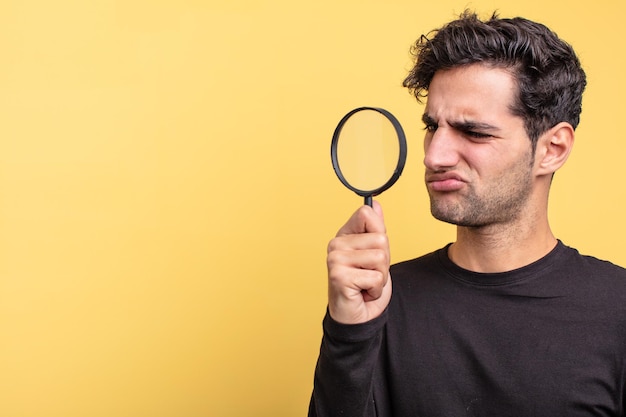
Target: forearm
345 371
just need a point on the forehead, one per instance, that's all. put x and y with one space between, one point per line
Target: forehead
471 91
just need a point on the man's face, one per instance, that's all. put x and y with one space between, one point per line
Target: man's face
478 156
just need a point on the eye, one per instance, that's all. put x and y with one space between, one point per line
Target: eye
477 135
430 127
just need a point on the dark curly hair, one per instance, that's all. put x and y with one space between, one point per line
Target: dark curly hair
549 75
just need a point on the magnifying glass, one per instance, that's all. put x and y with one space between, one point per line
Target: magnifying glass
368 151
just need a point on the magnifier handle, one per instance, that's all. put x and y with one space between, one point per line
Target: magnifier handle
368 200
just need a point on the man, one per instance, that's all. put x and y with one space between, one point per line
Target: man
507 320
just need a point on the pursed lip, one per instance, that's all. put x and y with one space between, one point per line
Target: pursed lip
445 181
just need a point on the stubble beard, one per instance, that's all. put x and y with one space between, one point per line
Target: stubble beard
502 203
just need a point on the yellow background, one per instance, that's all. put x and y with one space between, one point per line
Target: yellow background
166 193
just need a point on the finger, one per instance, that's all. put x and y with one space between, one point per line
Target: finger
359 242
370 259
359 285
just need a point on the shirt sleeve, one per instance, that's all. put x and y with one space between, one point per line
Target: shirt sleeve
346 368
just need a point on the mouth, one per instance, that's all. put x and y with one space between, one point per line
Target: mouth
445 182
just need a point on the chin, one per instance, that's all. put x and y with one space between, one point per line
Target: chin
456 219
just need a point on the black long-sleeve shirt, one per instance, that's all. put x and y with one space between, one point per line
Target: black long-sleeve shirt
548 339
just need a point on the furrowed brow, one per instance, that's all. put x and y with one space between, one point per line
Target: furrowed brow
470 125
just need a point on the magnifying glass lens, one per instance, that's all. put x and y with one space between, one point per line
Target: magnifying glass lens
368 150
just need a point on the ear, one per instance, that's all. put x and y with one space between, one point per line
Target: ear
553 148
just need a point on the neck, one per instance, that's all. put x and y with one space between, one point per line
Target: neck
500 248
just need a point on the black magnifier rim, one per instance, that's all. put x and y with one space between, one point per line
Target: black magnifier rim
401 157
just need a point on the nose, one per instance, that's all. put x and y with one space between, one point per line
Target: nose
440 150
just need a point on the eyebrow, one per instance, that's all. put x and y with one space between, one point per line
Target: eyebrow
464 126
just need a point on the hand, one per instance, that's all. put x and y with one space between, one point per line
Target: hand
359 284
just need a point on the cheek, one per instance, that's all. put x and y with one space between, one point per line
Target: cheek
492 161
485 161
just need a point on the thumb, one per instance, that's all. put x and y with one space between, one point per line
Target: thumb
378 209
365 220
376 223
